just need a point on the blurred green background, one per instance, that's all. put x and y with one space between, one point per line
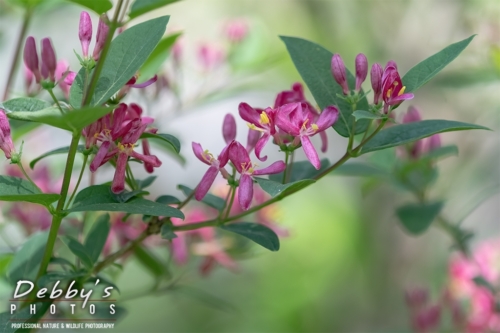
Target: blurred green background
347 262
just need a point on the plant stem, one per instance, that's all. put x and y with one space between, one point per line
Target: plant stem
22 35
20 165
85 158
290 167
287 154
51 93
233 193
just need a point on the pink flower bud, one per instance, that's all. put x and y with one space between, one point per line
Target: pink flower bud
49 62
433 142
102 34
229 128
339 73
236 30
31 57
412 115
376 80
5 139
210 56
85 32
361 70
70 78
28 79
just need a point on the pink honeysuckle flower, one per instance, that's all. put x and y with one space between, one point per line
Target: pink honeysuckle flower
361 65
6 143
64 77
393 91
213 251
85 32
241 161
297 120
376 81
101 36
179 245
339 73
229 128
236 30
210 56
216 165
262 121
49 61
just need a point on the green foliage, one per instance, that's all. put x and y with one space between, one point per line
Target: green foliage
98 6
152 263
314 65
421 73
362 114
406 133
278 190
78 250
167 231
71 120
22 316
140 7
97 236
258 233
301 170
209 199
24 104
128 51
26 261
170 139
168 200
142 184
416 218
18 189
162 51
360 169
58 151
100 198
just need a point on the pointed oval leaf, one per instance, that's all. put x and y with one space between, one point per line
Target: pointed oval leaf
140 7
416 218
167 231
421 73
78 250
406 133
26 261
100 198
362 114
62 150
127 53
24 104
258 233
313 62
209 199
302 170
18 189
170 139
278 190
99 7
95 240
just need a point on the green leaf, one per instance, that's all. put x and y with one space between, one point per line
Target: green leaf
153 64
362 114
126 196
168 200
22 316
167 231
359 169
18 189
24 104
406 133
62 150
127 53
258 233
95 240
5 260
100 198
78 250
62 262
170 139
98 6
140 7
150 261
28 4
416 218
421 73
142 184
26 261
302 170
209 199
314 65
279 190
441 152
71 120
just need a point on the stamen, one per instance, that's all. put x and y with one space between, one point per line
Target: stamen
315 127
255 128
402 91
264 119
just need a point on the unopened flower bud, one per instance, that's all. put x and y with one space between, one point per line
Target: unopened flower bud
5 138
102 34
28 79
229 128
85 32
49 62
339 73
376 80
31 57
433 142
361 70
236 31
412 115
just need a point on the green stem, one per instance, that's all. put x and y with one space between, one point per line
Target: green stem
20 165
290 167
231 201
287 154
22 35
133 183
85 158
51 93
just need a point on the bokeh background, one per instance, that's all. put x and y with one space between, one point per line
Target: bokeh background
347 262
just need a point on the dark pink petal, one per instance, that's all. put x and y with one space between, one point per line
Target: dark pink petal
85 32
249 114
361 64
101 36
118 119
198 152
134 111
324 141
327 118
238 155
276 167
260 145
146 150
400 98
283 120
376 81
118 184
311 153
146 83
31 57
148 159
205 183
49 60
339 72
252 138
99 157
413 114
224 156
434 142
135 132
245 191
229 128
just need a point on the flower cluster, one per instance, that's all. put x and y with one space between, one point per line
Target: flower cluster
291 123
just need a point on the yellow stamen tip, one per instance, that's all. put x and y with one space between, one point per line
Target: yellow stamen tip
264 118
402 91
315 127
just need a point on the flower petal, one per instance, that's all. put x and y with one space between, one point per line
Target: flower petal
199 153
324 141
205 183
229 128
311 153
238 155
245 192
118 184
260 145
327 118
99 157
400 98
276 167
249 114
224 156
